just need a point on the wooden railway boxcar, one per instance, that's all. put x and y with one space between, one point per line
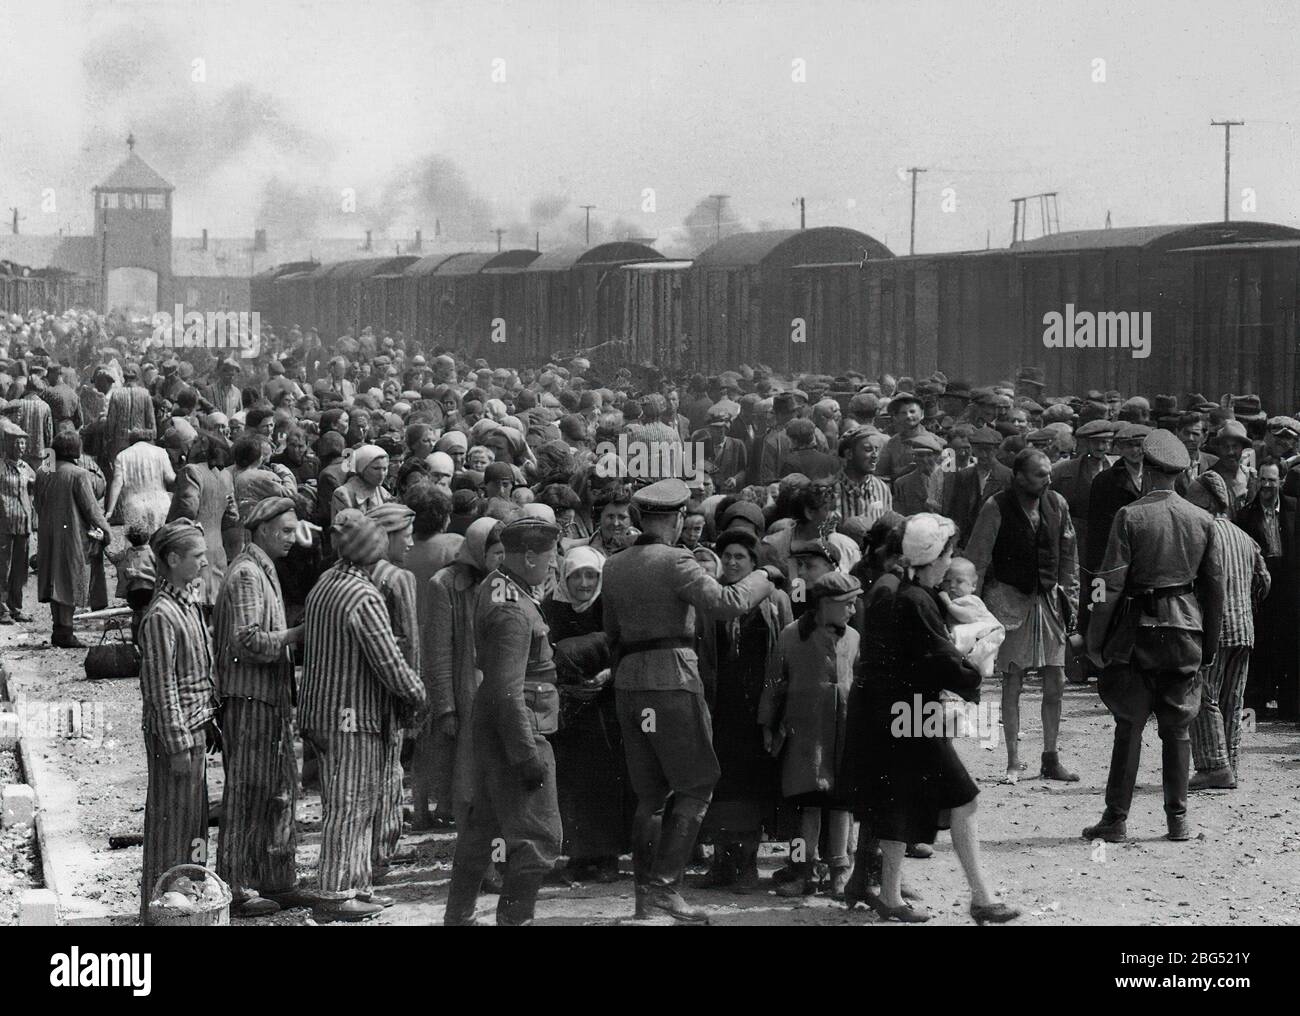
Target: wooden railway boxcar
570 298
746 296
464 294
656 309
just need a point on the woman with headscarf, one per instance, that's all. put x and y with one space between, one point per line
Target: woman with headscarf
917 784
205 494
447 666
366 470
591 773
734 658
455 445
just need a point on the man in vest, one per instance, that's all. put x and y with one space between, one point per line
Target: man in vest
1023 546
1158 625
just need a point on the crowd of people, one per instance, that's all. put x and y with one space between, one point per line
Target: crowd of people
445 575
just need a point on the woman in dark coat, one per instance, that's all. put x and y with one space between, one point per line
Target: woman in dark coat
733 658
590 769
916 783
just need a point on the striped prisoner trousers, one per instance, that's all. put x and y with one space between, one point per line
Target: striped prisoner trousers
388 821
175 814
1216 731
258 841
351 782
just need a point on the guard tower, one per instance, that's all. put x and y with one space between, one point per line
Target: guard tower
133 237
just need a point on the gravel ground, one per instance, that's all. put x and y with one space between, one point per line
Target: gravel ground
1241 867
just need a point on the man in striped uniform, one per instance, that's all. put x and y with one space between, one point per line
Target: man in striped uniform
33 416
179 708
398 588
859 493
258 841
516 707
17 518
354 683
1216 731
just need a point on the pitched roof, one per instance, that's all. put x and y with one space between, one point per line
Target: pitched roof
133 173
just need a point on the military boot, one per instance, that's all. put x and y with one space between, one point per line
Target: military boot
517 904
645 842
677 840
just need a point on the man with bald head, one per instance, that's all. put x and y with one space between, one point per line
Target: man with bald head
1023 546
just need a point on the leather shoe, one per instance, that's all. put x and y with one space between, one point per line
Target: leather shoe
254 906
376 899
295 897
1213 779
1110 830
1178 830
346 910
20 615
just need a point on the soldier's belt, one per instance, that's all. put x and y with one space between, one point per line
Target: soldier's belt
626 649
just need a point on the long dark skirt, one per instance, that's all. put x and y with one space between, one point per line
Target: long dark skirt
596 804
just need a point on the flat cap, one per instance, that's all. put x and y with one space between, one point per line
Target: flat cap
925 442
1132 432
816 548
1163 451
986 436
1284 424
1042 436
1096 428
664 496
834 586
498 471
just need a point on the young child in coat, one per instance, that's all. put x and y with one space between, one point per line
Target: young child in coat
976 633
136 573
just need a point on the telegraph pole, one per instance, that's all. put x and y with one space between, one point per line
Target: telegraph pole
911 247
498 233
588 209
802 221
717 215
1227 126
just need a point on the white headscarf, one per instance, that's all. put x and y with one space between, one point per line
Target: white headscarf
360 458
577 559
924 537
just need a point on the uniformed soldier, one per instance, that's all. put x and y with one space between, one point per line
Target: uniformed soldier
1158 625
516 707
651 592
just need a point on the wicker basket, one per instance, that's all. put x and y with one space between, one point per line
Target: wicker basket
214 915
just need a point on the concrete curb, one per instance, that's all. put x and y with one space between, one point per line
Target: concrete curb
55 825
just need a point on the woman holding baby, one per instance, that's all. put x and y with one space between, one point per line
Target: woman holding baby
916 785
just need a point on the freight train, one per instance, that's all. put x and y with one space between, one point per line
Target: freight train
1218 302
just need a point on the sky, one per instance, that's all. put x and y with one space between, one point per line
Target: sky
513 113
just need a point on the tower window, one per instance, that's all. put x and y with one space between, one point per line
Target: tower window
155 202
108 199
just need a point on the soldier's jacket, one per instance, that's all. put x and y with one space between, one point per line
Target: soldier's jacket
652 591
1160 541
512 649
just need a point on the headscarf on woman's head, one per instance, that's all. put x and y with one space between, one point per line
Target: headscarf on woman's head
495 409
452 441
925 536
482 429
361 458
357 539
711 562
577 559
473 551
